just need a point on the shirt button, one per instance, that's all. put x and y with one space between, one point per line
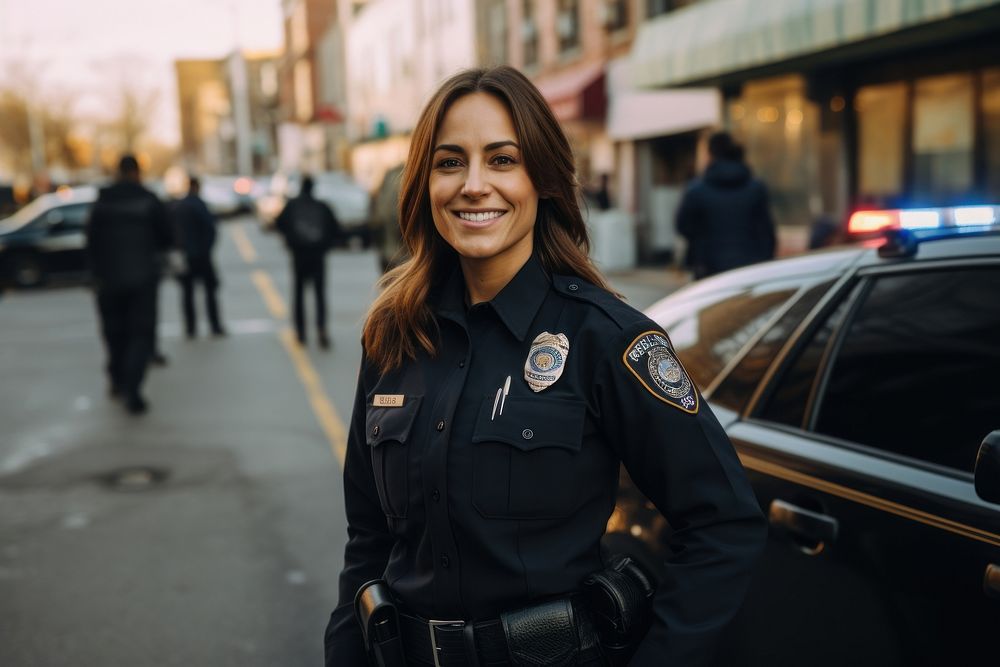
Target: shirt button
527 434
440 425
461 364
573 287
445 562
435 495
375 430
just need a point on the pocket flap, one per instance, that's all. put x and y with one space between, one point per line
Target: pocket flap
385 424
531 423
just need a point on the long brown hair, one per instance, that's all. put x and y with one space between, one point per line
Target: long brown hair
400 320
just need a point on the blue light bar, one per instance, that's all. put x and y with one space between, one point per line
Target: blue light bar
964 216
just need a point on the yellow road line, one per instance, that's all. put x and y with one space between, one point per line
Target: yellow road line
269 293
243 244
322 407
326 414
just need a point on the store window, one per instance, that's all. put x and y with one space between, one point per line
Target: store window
615 14
497 32
529 33
881 117
568 25
943 127
779 128
991 132
655 7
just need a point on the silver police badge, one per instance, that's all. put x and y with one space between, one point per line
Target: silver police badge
546 360
651 359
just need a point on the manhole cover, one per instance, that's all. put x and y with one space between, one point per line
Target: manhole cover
136 478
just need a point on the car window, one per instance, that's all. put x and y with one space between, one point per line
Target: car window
790 394
69 218
917 372
745 376
707 334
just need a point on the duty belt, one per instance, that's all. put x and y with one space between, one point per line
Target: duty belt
454 643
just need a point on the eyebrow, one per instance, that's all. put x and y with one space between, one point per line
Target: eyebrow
454 148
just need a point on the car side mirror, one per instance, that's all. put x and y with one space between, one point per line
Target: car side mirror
987 473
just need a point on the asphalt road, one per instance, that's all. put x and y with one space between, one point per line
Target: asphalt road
222 541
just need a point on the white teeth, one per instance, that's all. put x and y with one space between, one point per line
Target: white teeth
480 217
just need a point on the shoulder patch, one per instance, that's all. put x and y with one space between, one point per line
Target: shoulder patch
651 359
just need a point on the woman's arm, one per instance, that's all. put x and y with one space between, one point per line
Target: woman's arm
368 544
681 459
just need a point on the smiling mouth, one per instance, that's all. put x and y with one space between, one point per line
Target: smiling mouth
481 216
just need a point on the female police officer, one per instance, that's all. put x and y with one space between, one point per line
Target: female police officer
502 383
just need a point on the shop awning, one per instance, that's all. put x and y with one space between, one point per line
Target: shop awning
576 94
715 37
644 114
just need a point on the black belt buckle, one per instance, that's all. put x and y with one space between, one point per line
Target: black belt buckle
432 626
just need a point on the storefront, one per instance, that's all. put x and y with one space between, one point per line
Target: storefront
846 103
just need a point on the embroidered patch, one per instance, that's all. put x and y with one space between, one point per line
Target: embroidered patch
546 360
653 362
388 400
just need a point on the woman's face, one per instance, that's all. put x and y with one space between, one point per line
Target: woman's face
482 200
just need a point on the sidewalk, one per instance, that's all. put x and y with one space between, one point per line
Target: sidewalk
644 286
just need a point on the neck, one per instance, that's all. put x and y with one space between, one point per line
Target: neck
484 278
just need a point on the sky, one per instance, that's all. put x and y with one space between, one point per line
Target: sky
68 45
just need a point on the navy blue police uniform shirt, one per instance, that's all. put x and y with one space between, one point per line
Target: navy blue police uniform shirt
468 507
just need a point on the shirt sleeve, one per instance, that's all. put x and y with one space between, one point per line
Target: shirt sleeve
368 545
679 456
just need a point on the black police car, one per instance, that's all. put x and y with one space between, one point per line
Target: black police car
858 385
46 237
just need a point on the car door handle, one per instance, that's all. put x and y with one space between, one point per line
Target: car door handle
811 531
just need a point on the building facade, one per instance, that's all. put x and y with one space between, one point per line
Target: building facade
844 104
228 113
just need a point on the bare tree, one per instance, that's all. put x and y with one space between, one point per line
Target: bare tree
133 100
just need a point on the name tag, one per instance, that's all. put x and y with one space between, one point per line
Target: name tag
388 400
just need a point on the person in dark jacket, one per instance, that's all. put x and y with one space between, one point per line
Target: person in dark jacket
725 215
127 232
502 384
196 234
310 229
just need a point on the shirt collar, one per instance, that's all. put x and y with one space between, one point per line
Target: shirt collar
516 305
518 302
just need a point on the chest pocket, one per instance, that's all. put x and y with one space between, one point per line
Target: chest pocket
388 434
527 462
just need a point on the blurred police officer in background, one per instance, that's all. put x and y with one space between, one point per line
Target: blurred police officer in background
127 232
196 235
725 215
310 229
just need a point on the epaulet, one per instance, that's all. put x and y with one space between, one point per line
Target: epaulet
621 313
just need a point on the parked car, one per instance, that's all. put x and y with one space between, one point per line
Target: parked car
46 238
860 387
350 201
386 235
227 195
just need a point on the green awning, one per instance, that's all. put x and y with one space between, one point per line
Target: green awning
712 38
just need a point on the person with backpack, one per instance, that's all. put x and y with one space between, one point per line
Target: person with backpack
310 229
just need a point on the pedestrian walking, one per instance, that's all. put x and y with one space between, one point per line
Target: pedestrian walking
126 234
501 385
725 215
196 231
310 229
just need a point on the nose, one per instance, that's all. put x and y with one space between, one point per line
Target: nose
475 183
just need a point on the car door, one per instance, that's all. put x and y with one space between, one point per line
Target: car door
64 241
861 449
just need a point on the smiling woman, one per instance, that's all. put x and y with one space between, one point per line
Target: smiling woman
501 387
